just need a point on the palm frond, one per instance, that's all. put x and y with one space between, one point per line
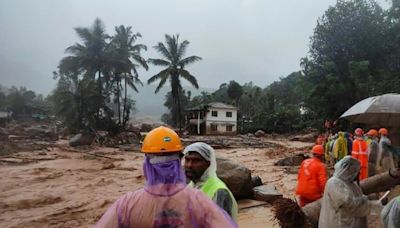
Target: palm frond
172 44
189 60
142 62
190 78
84 34
161 84
160 47
182 49
160 75
139 47
159 62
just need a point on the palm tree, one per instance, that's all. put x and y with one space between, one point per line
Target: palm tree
126 58
89 58
173 59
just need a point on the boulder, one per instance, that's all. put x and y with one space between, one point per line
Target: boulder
266 193
236 176
259 133
256 180
80 140
292 161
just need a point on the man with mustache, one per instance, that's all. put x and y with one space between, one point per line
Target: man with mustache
200 168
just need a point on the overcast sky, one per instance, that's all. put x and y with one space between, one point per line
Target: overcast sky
242 40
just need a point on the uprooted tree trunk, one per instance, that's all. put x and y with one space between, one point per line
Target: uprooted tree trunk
374 184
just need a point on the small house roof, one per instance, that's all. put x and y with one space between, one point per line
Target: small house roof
221 105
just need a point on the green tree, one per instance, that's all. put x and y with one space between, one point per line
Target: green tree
174 61
125 59
234 91
88 60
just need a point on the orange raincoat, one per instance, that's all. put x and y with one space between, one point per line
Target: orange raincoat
360 152
311 180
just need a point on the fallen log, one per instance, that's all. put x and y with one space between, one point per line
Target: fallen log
374 184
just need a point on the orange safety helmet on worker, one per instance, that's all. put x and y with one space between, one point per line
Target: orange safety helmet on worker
161 140
383 131
360 152
312 177
165 200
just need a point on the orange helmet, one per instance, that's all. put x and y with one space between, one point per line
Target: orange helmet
161 140
358 132
383 131
318 149
372 132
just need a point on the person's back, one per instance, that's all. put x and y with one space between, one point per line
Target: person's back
360 152
391 214
165 201
373 150
165 206
311 178
343 204
340 147
385 156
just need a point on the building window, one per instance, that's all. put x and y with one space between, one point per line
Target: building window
214 113
229 128
214 127
228 114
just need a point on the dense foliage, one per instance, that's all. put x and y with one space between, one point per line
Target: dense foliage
354 54
23 104
93 81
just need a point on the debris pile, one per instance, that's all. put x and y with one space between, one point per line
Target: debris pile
288 214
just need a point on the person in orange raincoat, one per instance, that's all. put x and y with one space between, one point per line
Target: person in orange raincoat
360 152
312 177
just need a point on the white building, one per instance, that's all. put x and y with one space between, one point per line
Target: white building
212 119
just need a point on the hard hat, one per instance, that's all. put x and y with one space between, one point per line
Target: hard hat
383 131
372 132
318 149
358 132
161 140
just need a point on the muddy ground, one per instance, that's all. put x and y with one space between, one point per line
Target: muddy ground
62 186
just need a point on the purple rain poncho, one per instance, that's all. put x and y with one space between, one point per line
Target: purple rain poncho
165 201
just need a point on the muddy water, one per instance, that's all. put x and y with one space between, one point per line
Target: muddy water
63 188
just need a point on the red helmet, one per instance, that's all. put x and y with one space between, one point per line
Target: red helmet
318 149
358 132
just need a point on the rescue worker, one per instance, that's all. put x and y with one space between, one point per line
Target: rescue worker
201 168
312 177
359 152
165 201
391 214
373 150
343 204
385 156
340 147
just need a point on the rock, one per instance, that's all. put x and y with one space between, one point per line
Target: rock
259 133
311 137
108 165
292 161
80 140
236 176
256 181
266 193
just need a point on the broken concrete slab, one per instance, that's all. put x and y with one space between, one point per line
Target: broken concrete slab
266 193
